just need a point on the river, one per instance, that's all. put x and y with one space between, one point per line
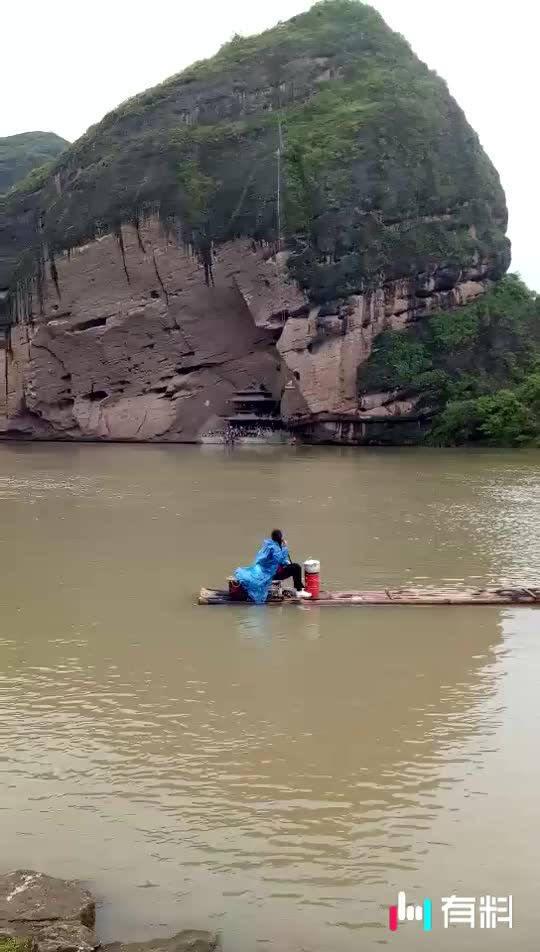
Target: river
275 774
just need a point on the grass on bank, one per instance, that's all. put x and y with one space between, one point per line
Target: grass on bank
11 944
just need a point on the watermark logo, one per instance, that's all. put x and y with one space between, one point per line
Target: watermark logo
486 913
402 913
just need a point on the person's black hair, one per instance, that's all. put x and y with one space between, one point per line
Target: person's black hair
277 536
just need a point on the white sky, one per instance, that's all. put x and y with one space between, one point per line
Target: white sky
66 63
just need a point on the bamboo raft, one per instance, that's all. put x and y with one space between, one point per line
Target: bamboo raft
402 596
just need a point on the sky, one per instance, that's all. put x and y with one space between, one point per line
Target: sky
65 64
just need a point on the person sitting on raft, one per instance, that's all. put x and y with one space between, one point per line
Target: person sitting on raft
271 562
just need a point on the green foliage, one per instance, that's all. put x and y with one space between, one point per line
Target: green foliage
529 392
478 366
458 423
500 419
320 139
396 362
382 176
35 180
197 188
20 154
505 420
459 329
11 944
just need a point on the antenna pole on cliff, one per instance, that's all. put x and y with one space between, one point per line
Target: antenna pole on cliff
280 147
279 151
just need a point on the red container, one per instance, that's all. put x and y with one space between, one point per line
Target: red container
312 570
312 585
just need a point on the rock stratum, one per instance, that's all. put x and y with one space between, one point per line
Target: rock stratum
260 218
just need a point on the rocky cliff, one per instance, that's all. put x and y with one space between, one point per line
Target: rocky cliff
21 153
261 217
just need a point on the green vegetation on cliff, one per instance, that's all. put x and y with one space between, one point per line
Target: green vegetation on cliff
477 367
21 153
382 176
12 944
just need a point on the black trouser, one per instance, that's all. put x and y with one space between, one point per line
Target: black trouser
292 570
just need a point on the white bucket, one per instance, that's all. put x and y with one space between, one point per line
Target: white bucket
312 567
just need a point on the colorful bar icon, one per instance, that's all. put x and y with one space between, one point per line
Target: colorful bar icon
410 913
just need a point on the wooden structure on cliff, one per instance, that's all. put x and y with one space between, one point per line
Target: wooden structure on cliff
255 417
357 429
255 412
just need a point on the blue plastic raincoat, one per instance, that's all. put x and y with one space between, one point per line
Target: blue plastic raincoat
257 578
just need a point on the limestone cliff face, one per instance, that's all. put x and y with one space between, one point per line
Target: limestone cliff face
324 352
136 346
259 218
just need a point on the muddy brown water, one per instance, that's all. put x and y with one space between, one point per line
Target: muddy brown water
274 774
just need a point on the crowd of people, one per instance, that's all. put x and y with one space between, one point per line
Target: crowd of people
231 435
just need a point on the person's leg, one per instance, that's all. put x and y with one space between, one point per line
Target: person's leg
292 570
297 576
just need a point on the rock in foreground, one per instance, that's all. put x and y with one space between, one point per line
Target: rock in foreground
190 940
27 896
56 915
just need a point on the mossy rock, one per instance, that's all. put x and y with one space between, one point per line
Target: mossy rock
381 175
21 154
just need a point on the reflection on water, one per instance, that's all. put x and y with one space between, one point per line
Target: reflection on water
274 773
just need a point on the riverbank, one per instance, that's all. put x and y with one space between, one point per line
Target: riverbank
40 913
